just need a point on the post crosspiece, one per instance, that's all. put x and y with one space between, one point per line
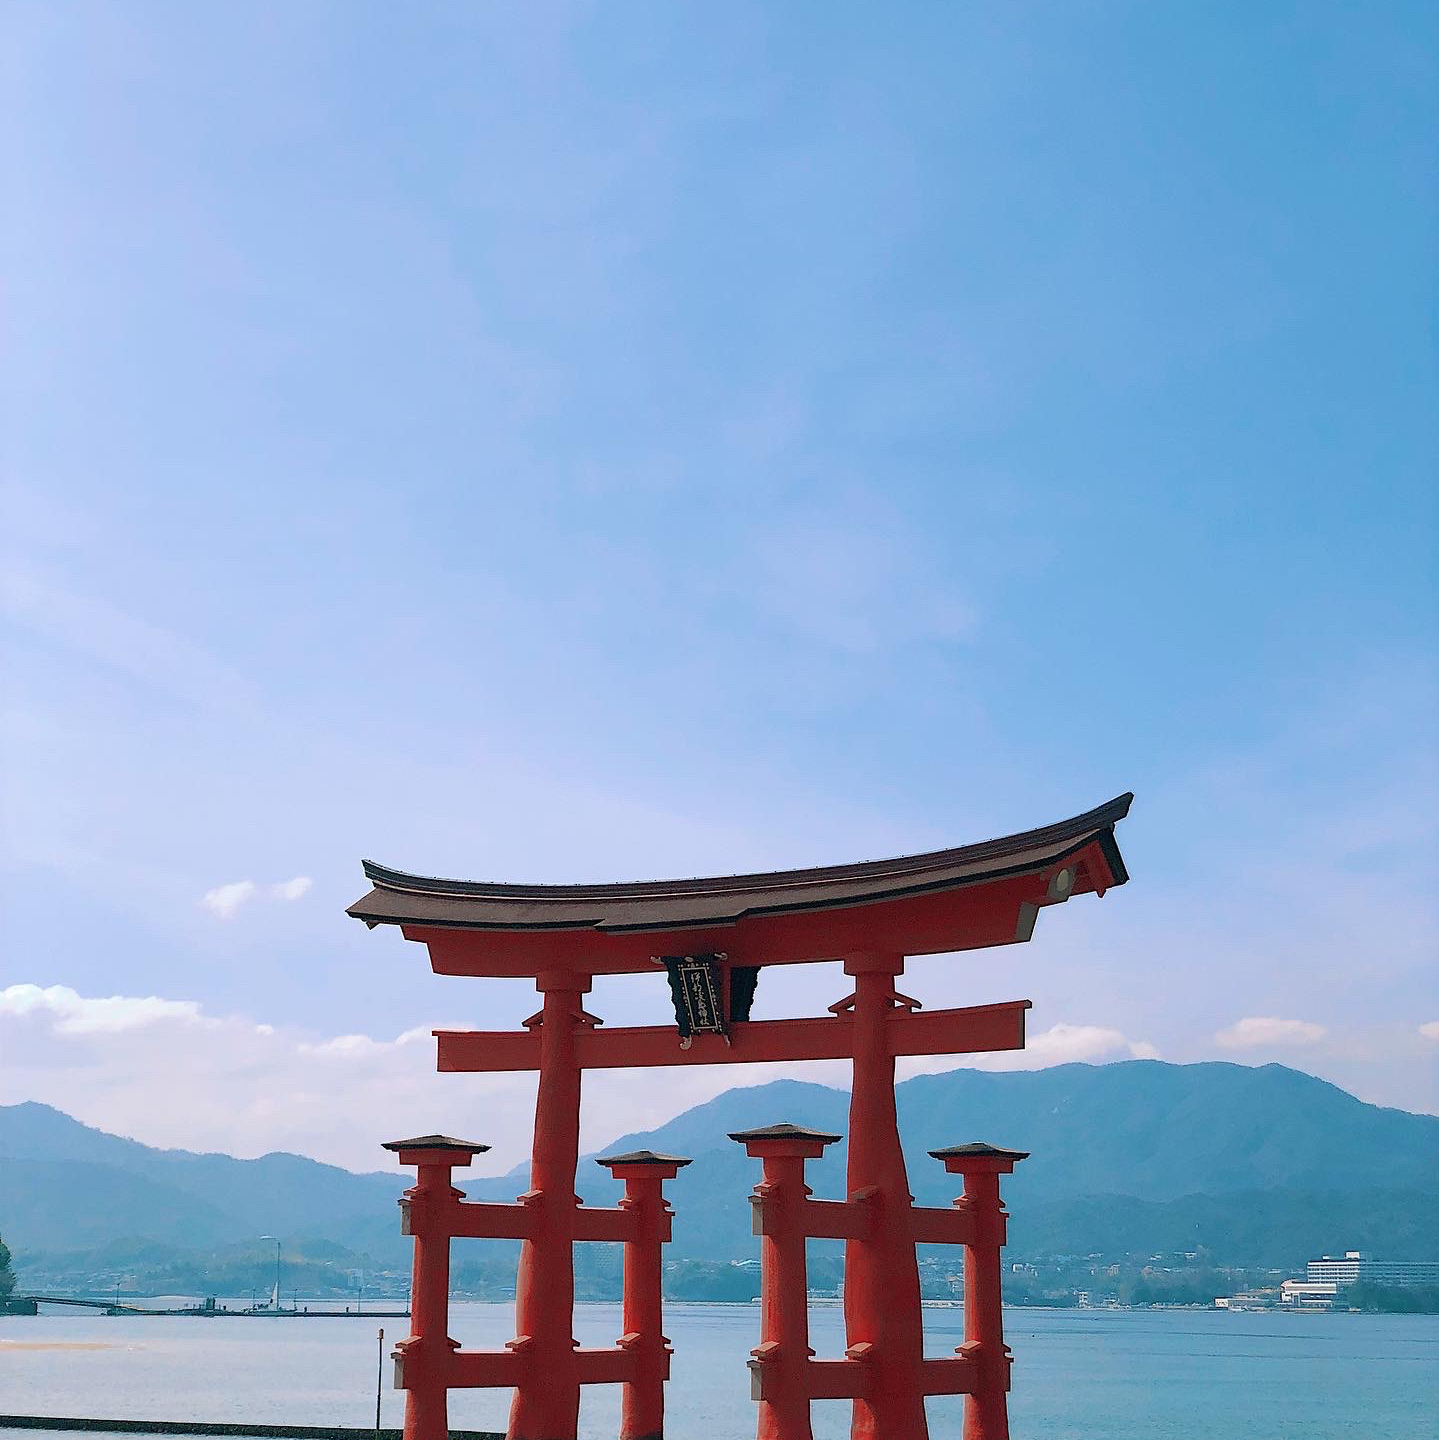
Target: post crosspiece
986 1408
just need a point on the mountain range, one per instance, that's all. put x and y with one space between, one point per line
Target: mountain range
1252 1165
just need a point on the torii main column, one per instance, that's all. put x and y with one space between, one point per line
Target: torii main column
545 1283
882 1315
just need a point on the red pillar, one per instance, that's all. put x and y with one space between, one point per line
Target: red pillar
881 1271
421 1360
986 1408
783 1355
547 1402
642 1414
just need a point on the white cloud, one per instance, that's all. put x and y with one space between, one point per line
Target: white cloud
225 900
249 1088
1430 1029
77 1014
1061 1044
363 1047
1258 1031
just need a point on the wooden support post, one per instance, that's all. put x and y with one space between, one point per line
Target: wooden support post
642 1413
882 1315
986 1408
547 1399
780 1368
422 1360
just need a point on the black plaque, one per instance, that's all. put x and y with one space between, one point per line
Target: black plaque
695 988
708 993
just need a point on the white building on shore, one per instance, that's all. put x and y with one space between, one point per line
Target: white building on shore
1356 1267
1328 1279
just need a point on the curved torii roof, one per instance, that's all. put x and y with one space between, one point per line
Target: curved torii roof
972 895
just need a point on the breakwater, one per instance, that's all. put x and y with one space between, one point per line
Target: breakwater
197 1427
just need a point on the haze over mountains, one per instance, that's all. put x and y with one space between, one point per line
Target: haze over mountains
1256 1166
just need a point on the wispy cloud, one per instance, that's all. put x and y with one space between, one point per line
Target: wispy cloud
857 576
1430 1029
161 659
226 900
1256 1032
364 1047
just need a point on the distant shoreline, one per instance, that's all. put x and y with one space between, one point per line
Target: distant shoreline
824 1303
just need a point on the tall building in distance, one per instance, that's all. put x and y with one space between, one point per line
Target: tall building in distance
1356 1267
1329 1277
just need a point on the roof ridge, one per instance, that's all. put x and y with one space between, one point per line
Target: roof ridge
1102 816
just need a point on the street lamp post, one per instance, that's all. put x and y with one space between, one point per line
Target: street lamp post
379 1376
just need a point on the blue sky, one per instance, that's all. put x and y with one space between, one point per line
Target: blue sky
606 441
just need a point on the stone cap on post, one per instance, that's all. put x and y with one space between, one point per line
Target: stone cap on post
977 1158
643 1165
435 1150
784 1141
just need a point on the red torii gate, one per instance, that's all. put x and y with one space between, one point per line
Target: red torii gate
871 916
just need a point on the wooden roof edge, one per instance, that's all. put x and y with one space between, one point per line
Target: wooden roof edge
1097 822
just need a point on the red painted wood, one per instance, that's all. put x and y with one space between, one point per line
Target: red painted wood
972 917
428 1363
482 1220
950 1375
642 1412
482 1369
986 1410
547 1400
887 1381
597 1224
968 1030
603 1366
881 1288
781 1360
422 1360
837 1379
884 1370
931 1225
833 1220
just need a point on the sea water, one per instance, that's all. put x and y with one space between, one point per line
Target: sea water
1119 1374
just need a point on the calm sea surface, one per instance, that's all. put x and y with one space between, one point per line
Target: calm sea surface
1123 1375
